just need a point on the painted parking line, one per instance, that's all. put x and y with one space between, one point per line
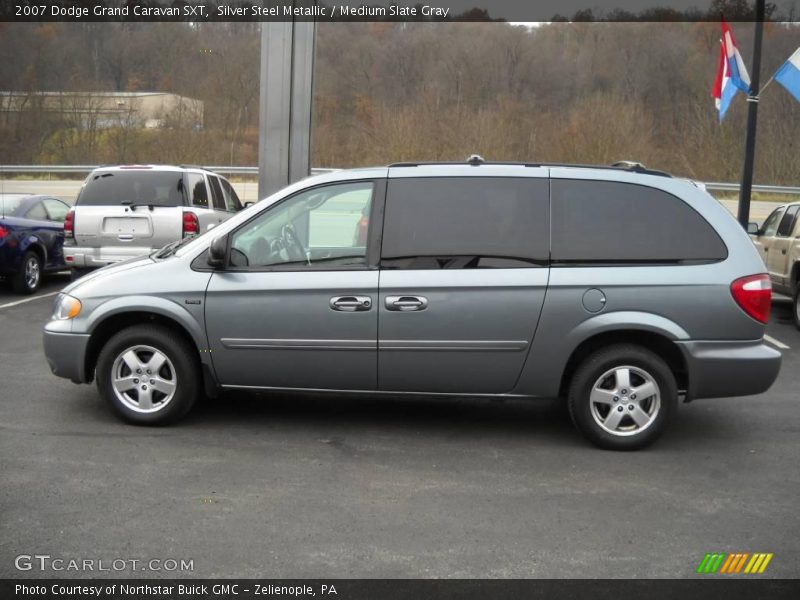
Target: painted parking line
31 299
768 338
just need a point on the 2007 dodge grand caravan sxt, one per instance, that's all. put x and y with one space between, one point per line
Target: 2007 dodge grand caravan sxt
620 290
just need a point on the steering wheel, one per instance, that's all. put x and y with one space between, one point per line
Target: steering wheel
291 242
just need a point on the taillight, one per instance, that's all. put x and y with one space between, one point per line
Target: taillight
190 224
3 232
69 224
754 295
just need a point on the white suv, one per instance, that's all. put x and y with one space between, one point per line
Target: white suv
127 211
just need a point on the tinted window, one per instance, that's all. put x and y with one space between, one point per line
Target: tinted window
604 221
37 212
158 188
56 210
466 222
216 193
787 222
318 228
198 191
771 224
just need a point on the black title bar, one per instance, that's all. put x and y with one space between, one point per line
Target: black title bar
711 588
201 11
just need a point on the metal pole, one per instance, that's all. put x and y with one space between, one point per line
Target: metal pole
287 71
274 106
752 118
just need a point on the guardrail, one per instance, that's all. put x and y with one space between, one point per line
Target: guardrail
69 169
253 172
761 189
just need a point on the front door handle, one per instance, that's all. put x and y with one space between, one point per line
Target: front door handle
351 303
405 303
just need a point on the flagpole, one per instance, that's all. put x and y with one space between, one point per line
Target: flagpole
752 117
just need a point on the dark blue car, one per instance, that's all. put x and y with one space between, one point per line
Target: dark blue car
31 238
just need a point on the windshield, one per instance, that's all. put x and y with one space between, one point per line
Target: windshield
157 188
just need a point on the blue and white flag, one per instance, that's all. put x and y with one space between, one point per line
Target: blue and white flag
731 73
789 75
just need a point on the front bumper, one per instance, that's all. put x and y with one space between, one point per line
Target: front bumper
725 369
93 258
66 354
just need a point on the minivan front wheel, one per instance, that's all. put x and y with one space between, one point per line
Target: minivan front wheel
148 375
622 397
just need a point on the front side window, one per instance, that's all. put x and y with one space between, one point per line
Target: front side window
771 224
465 223
56 210
317 228
787 222
611 222
232 202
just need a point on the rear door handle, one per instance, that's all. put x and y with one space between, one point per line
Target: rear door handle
405 303
351 303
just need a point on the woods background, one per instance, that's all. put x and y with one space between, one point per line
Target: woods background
385 92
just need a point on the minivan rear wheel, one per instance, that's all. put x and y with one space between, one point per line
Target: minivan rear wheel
148 375
622 397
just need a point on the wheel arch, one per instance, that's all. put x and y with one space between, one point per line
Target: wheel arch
35 245
659 343
110 324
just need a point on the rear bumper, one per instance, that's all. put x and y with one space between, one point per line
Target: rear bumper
66 354
725 369
93 258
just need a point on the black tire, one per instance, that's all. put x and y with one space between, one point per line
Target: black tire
75 274
644 364
181 367
796 306
24 280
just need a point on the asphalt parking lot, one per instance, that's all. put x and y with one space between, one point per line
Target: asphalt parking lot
266 486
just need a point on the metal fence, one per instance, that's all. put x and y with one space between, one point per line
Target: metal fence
714 186
73 169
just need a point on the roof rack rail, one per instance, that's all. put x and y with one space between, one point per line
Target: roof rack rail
476 160
192 167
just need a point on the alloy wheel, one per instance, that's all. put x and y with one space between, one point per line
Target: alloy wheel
625 400
144 379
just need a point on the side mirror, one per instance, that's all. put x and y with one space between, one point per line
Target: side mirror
247 205
753 228
217 251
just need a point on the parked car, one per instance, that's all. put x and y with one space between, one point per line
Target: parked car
618 290
31 239
128 211
778 242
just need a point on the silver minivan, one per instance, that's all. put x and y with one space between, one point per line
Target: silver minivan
621 291
127 211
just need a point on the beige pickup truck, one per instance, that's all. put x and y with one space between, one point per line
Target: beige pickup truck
778 242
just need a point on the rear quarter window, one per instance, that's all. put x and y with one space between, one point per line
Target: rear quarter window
159 188
606 221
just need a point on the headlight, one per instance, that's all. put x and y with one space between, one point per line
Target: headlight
66 307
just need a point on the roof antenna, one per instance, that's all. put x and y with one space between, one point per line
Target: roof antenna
475 160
